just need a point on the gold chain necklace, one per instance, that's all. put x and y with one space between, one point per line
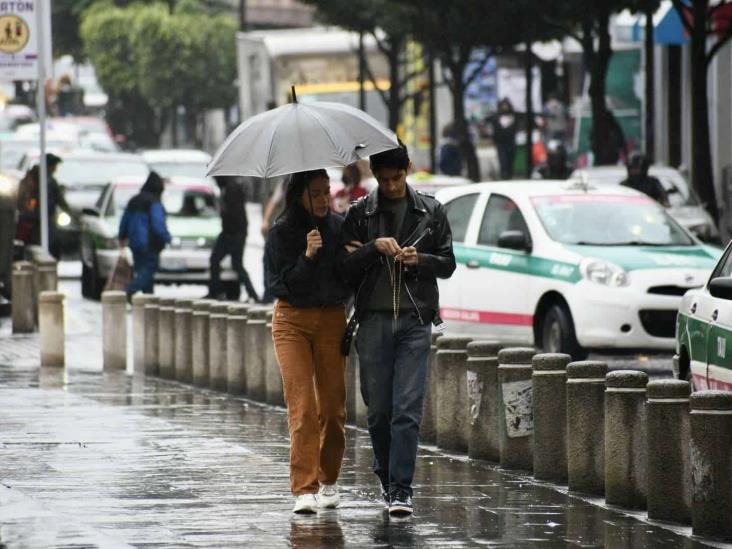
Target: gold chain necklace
395 276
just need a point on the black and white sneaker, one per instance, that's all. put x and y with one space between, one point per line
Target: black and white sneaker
385 497
400 504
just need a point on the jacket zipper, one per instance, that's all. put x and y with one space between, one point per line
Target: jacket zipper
419 315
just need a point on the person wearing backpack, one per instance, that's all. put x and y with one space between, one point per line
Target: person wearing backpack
144 230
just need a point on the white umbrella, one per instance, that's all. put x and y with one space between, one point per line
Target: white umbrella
300 137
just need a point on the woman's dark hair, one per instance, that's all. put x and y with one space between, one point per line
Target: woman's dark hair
397 159
153 184
296 186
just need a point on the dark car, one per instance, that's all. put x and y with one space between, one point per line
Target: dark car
82 175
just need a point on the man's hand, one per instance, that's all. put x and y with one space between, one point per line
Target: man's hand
409 256
388 246
264 227
315 242
353 245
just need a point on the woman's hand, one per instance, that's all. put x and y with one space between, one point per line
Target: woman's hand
315 242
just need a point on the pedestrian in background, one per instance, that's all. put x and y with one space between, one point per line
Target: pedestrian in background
396 243
231 239
29 206
144 230
639 179
451 158
352 189
307 328
503 125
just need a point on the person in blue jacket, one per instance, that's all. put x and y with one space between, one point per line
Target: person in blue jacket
143 229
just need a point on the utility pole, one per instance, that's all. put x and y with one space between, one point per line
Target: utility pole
361 73
529 110
242 15
650 87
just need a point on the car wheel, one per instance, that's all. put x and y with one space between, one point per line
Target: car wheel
557 333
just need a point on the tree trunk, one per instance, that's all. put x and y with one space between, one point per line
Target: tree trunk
604 135
433 113
529 111
650 91
461 124
395 91
174 126
702 175
361 73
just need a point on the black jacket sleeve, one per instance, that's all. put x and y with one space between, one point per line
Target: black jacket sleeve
439 262
354 264
290 271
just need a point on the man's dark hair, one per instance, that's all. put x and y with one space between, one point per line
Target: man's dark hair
153 185
397 159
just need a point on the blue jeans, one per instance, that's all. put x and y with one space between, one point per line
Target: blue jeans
394 357
146 264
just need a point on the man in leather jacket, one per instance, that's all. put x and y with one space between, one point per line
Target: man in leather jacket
396 243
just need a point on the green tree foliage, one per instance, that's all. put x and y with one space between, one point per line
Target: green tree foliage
162 59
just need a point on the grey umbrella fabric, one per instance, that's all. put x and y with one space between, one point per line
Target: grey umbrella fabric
299 137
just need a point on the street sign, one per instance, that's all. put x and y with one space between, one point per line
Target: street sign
19 40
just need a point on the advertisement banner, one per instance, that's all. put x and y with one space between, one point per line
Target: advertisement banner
19 40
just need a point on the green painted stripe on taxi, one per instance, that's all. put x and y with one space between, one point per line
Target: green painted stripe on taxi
693 333
517 262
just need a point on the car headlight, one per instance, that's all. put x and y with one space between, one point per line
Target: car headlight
603 272
63 219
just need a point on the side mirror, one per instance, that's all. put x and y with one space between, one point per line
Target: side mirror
90 211
514 240
721 287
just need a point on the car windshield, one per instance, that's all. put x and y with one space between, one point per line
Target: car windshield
178 202
608 220
177 169
92 171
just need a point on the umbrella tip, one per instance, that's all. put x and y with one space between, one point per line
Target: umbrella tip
294 95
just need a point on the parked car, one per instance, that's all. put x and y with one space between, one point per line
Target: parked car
82 175
704 330
686 208
193 221
567 266
79 132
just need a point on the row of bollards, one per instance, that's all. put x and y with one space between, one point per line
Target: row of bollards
642 445
28 280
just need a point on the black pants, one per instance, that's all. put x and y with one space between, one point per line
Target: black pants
233 245
506 158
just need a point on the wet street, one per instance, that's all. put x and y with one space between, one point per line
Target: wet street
112 460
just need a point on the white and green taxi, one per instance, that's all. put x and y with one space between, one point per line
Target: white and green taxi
567 266
704 330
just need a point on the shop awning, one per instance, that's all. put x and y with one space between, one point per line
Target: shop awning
668 28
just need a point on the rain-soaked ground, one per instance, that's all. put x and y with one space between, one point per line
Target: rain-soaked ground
91 459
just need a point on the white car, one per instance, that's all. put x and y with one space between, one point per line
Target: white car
686 208
568 267
178 162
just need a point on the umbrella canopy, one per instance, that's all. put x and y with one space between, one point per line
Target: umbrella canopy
299 137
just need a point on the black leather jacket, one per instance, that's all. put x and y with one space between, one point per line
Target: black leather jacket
425 218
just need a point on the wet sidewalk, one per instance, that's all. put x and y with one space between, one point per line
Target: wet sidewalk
92 459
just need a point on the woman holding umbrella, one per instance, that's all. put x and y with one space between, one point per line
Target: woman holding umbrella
307 329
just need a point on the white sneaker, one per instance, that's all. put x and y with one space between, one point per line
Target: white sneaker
328 496
306 504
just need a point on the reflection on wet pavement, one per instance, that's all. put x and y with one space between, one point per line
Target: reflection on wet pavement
92 459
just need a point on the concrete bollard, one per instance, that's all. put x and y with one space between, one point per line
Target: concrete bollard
272 376
45 277
549 388
139 301
217 346
199 337
482 380
585 427
669 468
625 439
52 329
114 330
22 297
515 444
453 426
255 353
711 463
236 327
152 358
166 338
182 357
428 428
